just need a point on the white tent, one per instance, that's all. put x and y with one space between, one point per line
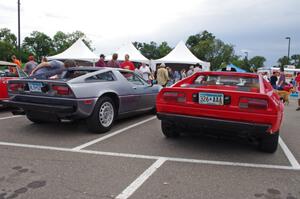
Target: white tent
134 54
182 55
78 51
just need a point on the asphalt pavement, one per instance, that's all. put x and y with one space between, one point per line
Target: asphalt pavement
135 160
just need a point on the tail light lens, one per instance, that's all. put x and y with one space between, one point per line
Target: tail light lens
62 90
15 87
253 103
174 97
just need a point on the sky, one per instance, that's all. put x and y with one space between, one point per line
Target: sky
258 27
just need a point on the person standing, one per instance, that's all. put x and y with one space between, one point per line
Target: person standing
198 68
30 65
114 63
101 62
190 71
145 71
127 64
16 61
281 81
183 73
162 75
273 80
297 79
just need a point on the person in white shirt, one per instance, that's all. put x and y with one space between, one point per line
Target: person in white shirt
145 71
198 68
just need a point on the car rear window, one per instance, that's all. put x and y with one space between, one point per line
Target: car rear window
70 74
240 82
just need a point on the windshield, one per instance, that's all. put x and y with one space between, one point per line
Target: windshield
238 82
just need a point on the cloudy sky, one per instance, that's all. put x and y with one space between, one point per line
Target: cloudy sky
256 26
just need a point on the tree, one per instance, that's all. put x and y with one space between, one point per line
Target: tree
7 36
283 61
164 49
257 61
296 60
206 47
8 44
39 44
152 50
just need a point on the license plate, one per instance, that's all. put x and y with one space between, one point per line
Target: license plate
35 86
211 98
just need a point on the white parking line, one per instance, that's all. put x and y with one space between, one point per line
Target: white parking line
128 191
289 155
10 117
128 155
112 134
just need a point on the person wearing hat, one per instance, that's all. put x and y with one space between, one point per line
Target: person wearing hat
30 65
162 75
100 62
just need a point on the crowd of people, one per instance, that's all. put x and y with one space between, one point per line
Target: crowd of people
163 75
284 88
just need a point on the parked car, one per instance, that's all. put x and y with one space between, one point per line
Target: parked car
239 104
8 71
99 95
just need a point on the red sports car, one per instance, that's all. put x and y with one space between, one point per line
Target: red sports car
8 71
242 104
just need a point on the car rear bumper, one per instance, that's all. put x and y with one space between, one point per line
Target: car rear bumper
61 107
213 123
41 107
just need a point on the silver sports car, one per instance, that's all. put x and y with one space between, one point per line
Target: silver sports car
99 95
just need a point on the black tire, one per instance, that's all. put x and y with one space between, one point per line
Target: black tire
269 142
169 129
93 122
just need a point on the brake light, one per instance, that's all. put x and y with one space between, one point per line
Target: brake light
13 87
61 90
174 96
253 103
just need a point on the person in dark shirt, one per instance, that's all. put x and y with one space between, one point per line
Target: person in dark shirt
114 63
101 62
273 80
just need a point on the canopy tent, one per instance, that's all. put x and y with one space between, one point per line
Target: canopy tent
78 51
134 54
182 55
235 67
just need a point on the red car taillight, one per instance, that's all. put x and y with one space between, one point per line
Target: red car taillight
174 96
61 90
253 103
13 87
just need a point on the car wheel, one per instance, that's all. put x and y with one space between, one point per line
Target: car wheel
268 143
103 116
169 129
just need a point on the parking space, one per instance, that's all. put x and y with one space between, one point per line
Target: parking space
64 134
185 180
57 174
135 160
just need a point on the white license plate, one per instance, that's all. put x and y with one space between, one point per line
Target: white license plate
211 98
35 86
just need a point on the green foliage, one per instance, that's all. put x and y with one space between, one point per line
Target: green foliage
8 37
257 61
152 50
39 44
283 61
296 60
6 51
206 47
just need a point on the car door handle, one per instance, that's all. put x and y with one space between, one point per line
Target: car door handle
134 87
